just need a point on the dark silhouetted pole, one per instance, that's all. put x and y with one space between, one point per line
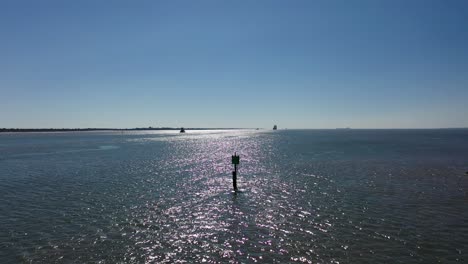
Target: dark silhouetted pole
235 161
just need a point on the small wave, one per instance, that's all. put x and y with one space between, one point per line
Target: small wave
26 155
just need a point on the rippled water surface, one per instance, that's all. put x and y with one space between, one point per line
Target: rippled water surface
307 196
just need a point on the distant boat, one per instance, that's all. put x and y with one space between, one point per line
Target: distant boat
182 130
275 127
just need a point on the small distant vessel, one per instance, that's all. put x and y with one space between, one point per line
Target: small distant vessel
182 130
275 127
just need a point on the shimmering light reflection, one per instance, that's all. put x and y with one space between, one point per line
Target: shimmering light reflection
201 220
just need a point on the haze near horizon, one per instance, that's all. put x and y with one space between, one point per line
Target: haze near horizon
298 64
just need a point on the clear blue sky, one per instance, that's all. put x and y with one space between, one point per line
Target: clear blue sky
298 64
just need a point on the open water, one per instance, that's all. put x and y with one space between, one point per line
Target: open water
307 196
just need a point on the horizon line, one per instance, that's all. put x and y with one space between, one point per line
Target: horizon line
210 128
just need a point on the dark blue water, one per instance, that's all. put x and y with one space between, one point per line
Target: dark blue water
307 196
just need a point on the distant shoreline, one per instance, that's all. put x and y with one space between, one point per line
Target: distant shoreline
21 130
101 129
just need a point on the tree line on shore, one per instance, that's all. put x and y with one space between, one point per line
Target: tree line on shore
81 129
98 129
